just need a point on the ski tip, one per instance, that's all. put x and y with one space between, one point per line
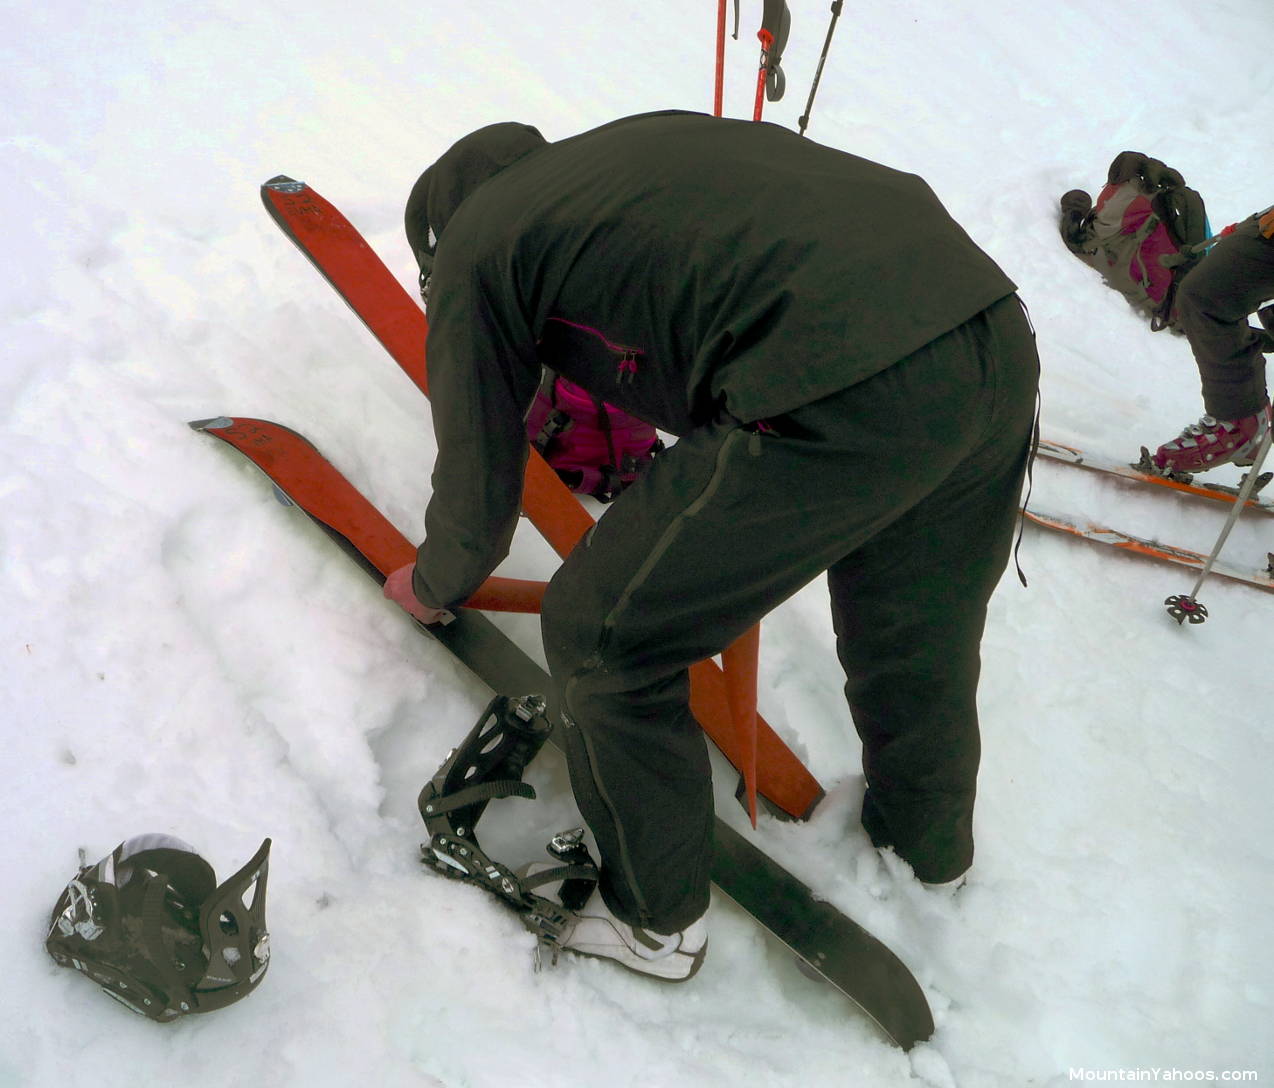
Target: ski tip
281 183
216 424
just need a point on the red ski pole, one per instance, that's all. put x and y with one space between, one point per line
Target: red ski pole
776 22
767 43
720 87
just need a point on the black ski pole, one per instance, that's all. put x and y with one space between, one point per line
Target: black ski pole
1181 606
818 72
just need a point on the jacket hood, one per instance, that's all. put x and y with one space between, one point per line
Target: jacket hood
469 162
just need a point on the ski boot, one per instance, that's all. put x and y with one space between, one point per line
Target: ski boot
1212 442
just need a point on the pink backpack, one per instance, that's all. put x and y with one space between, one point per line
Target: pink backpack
594 447
1139 232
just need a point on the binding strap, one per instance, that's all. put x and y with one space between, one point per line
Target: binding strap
488 766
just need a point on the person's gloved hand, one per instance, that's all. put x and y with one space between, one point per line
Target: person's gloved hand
398 589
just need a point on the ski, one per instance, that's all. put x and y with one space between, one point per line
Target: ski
1140 474
353 269
1168 553
833 946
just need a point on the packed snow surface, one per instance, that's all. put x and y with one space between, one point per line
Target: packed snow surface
182 654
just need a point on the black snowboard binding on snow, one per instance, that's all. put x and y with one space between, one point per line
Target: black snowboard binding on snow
487 766
150 924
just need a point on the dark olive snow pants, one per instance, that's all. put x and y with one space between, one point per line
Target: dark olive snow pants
905 489
1213 302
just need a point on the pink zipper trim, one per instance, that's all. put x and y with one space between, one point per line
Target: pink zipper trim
628 356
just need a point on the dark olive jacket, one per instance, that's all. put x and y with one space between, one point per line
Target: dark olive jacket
675 265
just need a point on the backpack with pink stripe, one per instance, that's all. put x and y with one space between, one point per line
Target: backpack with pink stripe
1139 233
595 448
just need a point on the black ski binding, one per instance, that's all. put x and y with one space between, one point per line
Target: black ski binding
1182 607
487 766
1262 481
1146 465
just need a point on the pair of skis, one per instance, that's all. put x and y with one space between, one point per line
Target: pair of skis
832 945
1153 549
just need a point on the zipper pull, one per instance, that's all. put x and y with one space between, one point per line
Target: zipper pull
627 367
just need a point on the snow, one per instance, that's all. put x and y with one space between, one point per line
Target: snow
182 654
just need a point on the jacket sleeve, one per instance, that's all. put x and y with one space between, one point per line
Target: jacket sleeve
483 373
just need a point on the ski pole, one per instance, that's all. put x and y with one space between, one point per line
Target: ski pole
1169 260
1231 229
822 58
719 93
1182 607
1186 253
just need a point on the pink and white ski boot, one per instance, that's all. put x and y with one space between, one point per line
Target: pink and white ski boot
1212 442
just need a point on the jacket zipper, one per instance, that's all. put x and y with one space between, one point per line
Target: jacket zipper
626 369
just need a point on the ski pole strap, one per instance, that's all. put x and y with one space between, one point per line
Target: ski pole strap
776 22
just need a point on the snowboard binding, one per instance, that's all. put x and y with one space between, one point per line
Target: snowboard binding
488 765
150 924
